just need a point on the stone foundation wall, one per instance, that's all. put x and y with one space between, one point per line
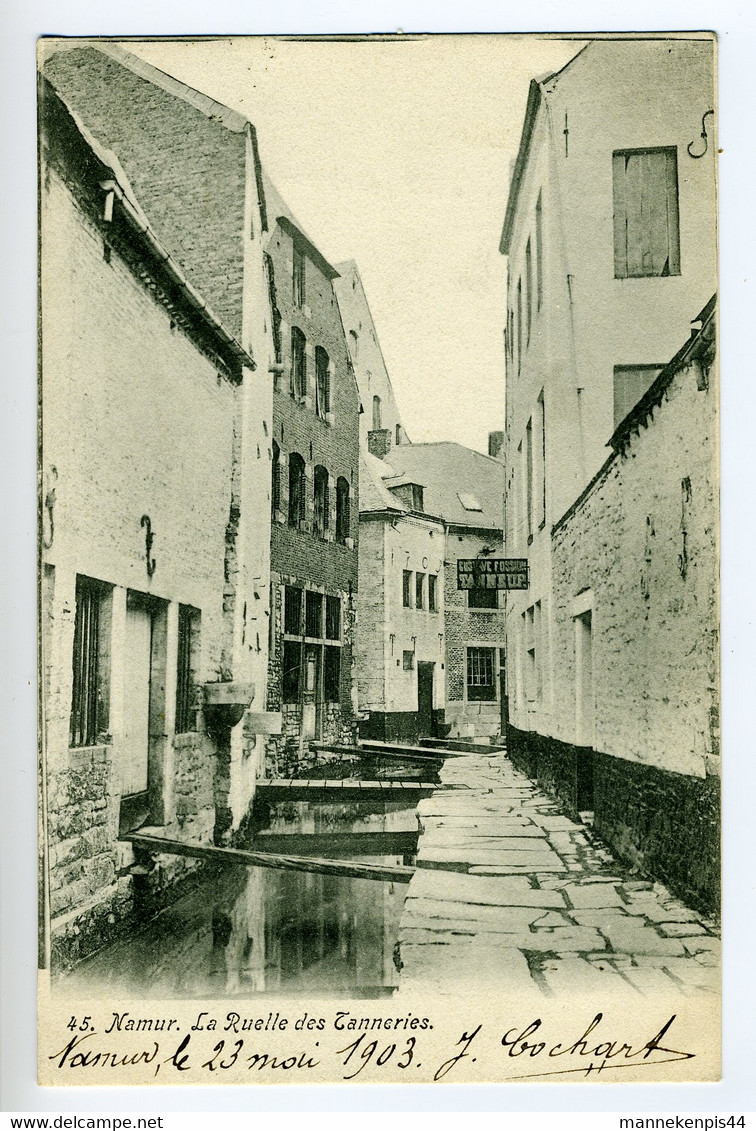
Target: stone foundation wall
664 824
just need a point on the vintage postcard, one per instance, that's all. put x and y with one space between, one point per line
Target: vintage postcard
379 613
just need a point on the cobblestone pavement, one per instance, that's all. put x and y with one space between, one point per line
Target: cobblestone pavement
508 889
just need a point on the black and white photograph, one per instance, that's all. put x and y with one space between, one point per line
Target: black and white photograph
379 651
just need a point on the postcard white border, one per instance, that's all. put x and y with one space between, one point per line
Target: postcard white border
22 23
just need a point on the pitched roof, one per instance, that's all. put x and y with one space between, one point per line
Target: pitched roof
55 111
446 470
374 495
231 119
279 211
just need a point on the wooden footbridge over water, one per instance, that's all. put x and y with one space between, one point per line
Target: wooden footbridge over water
316 852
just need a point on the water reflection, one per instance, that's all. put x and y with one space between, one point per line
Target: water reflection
262 930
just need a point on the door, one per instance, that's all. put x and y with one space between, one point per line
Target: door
585 702
425 698
138 670
312 694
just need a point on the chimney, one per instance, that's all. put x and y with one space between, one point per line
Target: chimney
495 444
379 442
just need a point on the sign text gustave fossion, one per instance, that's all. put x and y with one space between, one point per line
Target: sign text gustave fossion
492 573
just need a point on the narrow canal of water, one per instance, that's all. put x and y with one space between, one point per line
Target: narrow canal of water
245 931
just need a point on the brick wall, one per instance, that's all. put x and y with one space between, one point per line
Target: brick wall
187 170
464 626
300 556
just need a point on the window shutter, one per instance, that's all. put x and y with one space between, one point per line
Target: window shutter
620 217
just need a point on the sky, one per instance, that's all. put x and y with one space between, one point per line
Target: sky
397 154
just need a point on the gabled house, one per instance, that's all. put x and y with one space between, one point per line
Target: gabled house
314 497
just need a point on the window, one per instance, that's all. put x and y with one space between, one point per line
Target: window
539 250
313 614
322 383
333 618
91 653
532 617
331 674
432 593
275 313
528 290
540 507
480 675
646 220
275 481
630 383
186 711
298 364
342 509
529 473
377 414
482 598
297 487
407 588
398 435
469 501
292 671
519 324
322 501
293 610
419 590
408 661
298 280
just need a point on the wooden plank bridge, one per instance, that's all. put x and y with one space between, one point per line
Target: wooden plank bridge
252 858
393 751
347 789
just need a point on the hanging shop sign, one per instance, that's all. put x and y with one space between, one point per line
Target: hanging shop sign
492 573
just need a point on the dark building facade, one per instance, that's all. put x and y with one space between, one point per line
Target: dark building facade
314 499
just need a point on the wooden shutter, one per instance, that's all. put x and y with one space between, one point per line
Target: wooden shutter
646 220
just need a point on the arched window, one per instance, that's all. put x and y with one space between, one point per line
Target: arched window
297 485
322 503
342 509
275 481
377 415
322 383
298 364
354 342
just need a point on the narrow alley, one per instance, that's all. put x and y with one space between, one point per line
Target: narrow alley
508 888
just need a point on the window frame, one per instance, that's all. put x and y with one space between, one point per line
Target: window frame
343 510
89 717
298 275
322 383
321 521
188 629
622 267
407 588
298 382
297 491
476 652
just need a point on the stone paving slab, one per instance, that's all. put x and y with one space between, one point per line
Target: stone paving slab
513 891
510 889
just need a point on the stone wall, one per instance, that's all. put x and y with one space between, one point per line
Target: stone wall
138 421
638 552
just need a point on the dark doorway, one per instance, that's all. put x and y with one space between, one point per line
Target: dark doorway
425 698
